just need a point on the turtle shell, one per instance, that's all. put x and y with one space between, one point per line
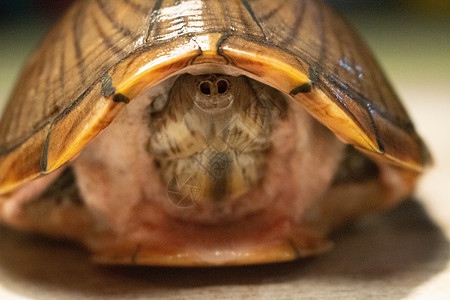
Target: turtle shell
102 54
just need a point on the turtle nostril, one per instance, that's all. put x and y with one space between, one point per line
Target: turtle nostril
205 88
222 86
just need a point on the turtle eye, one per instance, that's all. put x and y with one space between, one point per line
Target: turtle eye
222 86
205 88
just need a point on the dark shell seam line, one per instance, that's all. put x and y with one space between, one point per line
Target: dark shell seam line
200 52
358 101
219 43
255 19
153 15
64 113
44 158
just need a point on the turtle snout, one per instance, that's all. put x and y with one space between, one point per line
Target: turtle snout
212 87
213 93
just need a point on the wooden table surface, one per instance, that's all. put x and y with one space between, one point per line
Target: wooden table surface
401 254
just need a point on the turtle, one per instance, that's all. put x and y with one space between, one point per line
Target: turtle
203 133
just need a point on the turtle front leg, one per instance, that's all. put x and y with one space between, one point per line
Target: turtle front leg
49 205
361 186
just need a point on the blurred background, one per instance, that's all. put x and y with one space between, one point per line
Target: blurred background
21 8
411 39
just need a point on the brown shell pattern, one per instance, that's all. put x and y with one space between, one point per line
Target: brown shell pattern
70 81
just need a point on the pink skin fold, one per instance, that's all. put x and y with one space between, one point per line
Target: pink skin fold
128 218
